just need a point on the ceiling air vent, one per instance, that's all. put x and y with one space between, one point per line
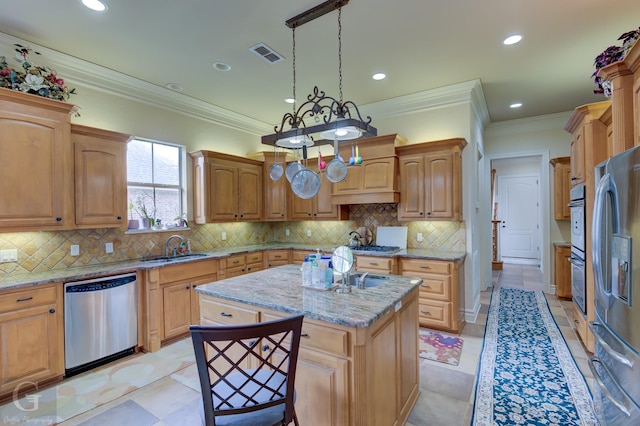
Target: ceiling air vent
266 53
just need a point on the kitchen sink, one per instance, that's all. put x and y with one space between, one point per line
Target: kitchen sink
369 280
164 259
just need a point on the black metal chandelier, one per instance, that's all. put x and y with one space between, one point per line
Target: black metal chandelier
321 119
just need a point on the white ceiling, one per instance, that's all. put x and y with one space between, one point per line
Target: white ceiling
419 44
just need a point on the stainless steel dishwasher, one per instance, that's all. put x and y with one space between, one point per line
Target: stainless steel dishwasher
100 321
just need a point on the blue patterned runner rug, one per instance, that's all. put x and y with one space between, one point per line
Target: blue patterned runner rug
527 375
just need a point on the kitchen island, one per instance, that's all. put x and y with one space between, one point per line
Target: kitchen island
358 361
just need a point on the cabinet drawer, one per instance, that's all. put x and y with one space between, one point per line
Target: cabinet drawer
253 267
255 257
580 323
188 271
277 255
433 313
374 263
436 287
35 296
425 266
319 337
235 260
227 314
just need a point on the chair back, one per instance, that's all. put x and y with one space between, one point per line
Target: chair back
247 368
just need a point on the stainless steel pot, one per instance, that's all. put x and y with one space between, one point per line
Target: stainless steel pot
305 183
336 169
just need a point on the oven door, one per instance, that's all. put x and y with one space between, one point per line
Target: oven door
578 225
578 287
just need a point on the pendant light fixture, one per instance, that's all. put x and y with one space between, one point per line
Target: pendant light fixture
331 119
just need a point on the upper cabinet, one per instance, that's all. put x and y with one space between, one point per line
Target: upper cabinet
561 187
100 177
226 188
275 192
376 179
36 189
431 180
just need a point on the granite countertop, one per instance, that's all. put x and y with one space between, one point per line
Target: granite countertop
114 268
562 244
280 289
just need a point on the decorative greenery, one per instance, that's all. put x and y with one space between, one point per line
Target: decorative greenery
34 79
142 210
613 54
182 217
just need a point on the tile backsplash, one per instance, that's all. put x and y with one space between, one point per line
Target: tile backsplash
43 251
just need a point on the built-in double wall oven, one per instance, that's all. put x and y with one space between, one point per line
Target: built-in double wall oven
578 258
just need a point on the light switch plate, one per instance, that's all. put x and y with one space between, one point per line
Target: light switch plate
108 247
287 232
224 236
308 232
10 255
75 250
419 237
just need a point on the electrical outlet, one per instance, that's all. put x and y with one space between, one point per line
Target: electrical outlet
75 250
108 247
10 255
419 237
224 236
308 232
287 232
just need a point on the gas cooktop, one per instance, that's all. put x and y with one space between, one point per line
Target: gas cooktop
379 249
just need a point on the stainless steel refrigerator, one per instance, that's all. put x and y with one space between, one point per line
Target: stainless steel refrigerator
616 266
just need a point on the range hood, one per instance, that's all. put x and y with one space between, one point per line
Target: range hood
376 179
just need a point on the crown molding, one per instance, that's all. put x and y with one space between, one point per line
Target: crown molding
538 123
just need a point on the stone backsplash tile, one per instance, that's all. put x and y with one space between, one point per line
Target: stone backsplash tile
43 251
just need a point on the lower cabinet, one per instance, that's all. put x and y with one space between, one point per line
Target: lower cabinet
345 375
242 263
562 271
441 292
171 303
380 265
275 258
31 337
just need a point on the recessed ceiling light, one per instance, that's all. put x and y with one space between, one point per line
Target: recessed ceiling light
96 5
290 100
513 39
221 66
175 87
379 76
515 105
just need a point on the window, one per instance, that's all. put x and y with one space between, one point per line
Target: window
155 175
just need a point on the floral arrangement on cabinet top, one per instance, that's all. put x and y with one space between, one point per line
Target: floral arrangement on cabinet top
610 55
34 79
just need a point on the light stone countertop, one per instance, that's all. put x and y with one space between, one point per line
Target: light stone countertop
114 268
280 289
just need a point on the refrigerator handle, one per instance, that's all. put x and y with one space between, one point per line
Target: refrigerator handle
607 348
596 375
603 187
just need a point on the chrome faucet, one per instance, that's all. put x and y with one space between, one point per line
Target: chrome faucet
361 280
166 245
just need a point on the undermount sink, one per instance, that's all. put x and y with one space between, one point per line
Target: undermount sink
369 280
164 259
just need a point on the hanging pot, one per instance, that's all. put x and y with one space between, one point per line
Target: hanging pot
276 170
336 169
293 168
305 183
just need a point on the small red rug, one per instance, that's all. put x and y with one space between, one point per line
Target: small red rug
440 347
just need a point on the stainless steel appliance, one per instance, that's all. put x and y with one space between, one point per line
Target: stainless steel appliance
100 321
578 258
616 267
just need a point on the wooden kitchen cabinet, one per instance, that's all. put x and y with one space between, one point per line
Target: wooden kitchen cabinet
562 271
242 263
561 187
376 264
275 192
319 207
431 180
376 179
226 188
36 163
441 304
31 336
170 301
275 258
100 177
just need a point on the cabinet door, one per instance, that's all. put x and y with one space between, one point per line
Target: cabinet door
275 197
300 208
101 182
383 393
577 156
176 299
31 346
35 159
323 209
412 188
195 298
249 193
322 389
562 271
439 190
223 192
407 329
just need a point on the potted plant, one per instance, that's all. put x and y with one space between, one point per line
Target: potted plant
610 55
133 223
148 219
181 220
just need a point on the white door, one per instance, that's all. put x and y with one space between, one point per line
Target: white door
519 213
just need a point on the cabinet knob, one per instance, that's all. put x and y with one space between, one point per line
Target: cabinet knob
241 215
426 312
428 213
58 219
304 335
421 214
52 311
119 217
187 287
235 215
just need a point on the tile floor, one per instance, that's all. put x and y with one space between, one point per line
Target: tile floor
447 391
